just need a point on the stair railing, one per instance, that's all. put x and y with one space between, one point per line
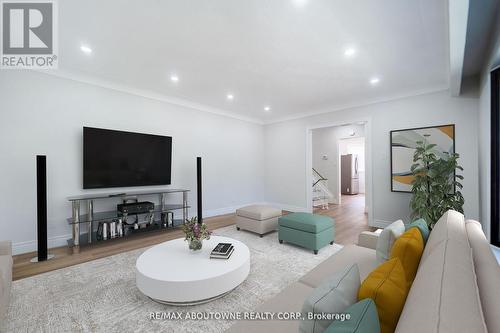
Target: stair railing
319 176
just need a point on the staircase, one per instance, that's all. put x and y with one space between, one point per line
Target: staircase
321 193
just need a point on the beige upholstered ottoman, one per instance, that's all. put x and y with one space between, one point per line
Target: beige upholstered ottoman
260 219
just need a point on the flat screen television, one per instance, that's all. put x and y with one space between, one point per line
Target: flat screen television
121 159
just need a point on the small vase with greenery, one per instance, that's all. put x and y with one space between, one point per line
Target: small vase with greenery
195 233
436 187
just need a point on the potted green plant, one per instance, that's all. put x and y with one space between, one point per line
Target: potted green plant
195 233
436 187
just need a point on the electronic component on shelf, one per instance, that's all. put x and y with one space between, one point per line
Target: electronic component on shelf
136 207
112 229
104 230
119 227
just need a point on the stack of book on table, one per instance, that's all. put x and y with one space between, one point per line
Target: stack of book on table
222 251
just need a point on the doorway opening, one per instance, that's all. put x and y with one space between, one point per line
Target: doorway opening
340 177
352 171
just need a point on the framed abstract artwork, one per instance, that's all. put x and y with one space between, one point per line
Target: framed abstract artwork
403 145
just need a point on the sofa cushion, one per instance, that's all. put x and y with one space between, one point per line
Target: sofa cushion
408 249
258 212
363 319
387 238
387 286
334 295
450 226
307 222
292 298
350 254
444 297
487 274
422 227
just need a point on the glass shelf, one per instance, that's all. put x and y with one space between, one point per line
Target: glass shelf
155 227
110 215
91 218
121 195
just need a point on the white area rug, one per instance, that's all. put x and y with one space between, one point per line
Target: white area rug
101 295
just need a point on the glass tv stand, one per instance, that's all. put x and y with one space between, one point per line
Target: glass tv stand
111 224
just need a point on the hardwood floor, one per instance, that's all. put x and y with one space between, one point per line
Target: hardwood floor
350 220
23 268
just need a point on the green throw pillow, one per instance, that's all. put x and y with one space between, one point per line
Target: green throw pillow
333 296
363 319
422 226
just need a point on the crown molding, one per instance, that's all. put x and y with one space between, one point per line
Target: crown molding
433 90
220 112
146 94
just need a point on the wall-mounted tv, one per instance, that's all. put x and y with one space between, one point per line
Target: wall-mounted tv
120 159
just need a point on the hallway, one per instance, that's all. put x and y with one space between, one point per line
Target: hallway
350 218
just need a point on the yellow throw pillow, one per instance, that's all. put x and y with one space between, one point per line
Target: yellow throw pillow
386 285
408 248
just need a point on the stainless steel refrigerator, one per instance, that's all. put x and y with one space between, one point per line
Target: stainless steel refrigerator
349 177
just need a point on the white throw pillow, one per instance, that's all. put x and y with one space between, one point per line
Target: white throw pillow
387 238
334 295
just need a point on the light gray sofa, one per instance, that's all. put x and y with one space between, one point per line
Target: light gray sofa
5 276
455 289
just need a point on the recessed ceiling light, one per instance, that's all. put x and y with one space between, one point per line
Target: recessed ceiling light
349 52
86 49
174 78
267 108
299 3
374 80
230 97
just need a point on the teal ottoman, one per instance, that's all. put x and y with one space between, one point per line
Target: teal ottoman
307 230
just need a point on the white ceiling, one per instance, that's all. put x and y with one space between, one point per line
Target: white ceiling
288 54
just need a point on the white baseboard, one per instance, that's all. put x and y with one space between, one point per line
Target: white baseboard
227 210
31 246
289 208
61 240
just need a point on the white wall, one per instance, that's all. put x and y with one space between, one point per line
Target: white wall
243 162
42 114
325 141
492 61
285 173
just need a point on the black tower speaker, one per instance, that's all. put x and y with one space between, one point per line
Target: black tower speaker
41 208
198 190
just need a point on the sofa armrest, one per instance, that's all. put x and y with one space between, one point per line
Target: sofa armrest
369 239
5 248
5 284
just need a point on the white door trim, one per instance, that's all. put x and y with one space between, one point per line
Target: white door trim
368 162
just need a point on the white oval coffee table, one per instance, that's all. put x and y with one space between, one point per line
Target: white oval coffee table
172 274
